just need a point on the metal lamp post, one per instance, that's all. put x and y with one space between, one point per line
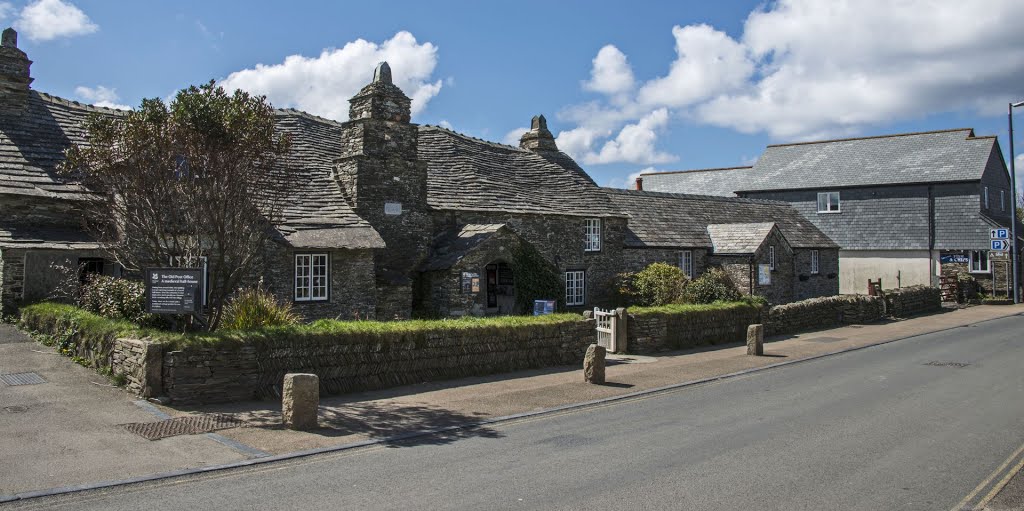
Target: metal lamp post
1013 219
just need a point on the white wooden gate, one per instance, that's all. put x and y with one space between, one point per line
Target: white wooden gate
606 328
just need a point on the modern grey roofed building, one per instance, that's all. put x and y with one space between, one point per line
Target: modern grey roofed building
903 207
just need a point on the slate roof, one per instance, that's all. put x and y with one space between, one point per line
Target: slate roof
722 182
932 157
32 143
452 246
317 214
45 238
738 238
670 220
465 173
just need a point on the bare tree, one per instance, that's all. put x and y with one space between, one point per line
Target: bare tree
181 182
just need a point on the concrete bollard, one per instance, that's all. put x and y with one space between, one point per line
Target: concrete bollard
755 339
593 364
300 401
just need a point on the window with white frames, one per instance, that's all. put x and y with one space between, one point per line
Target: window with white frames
814 262
311 277
828 202
771 257
686 263
575 287
979 261
592 234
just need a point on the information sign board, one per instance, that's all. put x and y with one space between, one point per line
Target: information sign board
1000 245
543 307
173 290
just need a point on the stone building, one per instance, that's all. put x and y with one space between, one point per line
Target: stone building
766 247
391 220
904 208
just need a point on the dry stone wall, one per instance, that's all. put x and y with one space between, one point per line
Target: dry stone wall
825 312
910 301
663 331
349 362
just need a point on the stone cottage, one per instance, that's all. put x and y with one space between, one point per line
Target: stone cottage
766 247
391 219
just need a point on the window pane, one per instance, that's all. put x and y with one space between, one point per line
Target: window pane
822 202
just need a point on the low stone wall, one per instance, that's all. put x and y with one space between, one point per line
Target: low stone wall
910 301
347 363
141 363
654 332
824 312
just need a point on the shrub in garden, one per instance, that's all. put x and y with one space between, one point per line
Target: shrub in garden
659 284
115 298
256 308
713 286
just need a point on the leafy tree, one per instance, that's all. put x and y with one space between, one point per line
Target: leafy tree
657 284
714 285
189 180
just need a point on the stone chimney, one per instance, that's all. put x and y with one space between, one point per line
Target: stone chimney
639 183
381 99
14 67
538 138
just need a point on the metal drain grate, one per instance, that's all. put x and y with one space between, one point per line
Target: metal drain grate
190 425
947 364
21 379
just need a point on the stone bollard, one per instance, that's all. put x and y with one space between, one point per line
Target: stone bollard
755 339
593 364
300 401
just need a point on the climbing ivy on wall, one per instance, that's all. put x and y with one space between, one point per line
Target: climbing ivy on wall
535 278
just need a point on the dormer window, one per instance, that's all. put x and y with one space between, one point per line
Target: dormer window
592 235
828 202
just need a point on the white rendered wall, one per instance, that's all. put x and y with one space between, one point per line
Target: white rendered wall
896 268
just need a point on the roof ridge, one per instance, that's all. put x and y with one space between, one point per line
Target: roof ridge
892 135
431 127
693 196
302 113
696 170
50 98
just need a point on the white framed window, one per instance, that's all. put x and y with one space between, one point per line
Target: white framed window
828 202
771 257
980 261
311 276
686 263
814 262
575 287
592 235
985 196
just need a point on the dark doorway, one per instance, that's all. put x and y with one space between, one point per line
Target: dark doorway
500 288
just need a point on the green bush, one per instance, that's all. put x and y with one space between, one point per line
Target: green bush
117 299
256 308
712 286
681 308
658 284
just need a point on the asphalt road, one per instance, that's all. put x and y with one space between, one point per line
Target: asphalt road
897 426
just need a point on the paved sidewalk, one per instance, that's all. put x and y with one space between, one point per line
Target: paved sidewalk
69 433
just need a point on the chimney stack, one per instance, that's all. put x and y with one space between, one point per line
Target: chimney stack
538 138
14 69
640 183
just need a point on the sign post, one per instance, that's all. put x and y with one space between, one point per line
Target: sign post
174 291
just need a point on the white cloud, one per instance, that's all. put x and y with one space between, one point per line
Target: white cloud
6 9
44 20
635 143
577 142
833 68
322 85
100 96
610 73
708 62
512 137
444 124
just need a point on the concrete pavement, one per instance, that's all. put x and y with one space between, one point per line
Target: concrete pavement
75 408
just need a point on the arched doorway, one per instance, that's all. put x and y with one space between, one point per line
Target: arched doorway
501 290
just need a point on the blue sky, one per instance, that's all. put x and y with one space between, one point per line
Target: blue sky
625 86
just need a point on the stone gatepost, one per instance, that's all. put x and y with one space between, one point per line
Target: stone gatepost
593 364
621 330
755 339
300 401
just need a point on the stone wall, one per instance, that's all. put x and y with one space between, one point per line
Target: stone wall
663 331
812 285
636 259
352 292
348 362
823 312
141 363
12 279
910 301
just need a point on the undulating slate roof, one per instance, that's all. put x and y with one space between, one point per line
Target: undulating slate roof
738 238
465 173
932 157
32 143
450 247
720 182
317 214
671 220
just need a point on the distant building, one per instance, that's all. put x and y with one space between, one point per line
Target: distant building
904 208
